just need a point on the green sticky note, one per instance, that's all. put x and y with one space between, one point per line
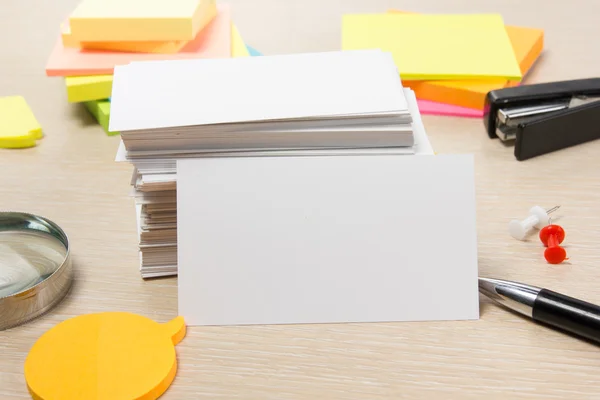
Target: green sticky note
100 109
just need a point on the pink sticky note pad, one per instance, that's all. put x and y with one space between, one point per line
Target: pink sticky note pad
435 108
212 42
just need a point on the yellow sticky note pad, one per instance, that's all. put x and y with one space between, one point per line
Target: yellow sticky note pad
527 43
238 47
104 356
18 126
139 20
427 47
86 88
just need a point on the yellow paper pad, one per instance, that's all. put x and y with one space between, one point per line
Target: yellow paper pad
427 47
238 47
139 20
527 43
99 87
86 88
18 126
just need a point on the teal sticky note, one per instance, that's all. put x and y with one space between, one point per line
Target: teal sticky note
253 52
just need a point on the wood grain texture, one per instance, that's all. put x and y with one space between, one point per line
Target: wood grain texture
71 178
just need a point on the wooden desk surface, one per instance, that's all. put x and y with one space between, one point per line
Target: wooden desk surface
71 178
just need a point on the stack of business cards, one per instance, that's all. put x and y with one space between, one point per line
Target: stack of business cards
156 215
333 103
302 101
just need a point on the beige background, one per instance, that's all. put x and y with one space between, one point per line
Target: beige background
71 178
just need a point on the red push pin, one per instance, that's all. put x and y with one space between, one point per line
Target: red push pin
552 236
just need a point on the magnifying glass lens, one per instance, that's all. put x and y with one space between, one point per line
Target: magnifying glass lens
26 259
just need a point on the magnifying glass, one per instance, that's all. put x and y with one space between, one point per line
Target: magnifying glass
35 267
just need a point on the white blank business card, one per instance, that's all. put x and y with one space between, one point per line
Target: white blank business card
285 240
336 84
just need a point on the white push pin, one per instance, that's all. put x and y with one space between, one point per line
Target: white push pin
538 218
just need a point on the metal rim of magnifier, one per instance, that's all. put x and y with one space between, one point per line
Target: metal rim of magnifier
30 303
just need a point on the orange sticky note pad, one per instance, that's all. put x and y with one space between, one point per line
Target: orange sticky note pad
213 42
104 356
170 47
527 44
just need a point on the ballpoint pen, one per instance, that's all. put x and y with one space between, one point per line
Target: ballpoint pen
545 306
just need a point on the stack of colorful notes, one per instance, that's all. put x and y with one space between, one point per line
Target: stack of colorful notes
99 35
340 103
450 61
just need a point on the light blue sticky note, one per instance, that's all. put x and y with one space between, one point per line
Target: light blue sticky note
253 52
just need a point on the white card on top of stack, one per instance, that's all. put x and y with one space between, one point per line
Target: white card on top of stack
326 239
165 94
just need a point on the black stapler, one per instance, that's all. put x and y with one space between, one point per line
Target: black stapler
545 117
